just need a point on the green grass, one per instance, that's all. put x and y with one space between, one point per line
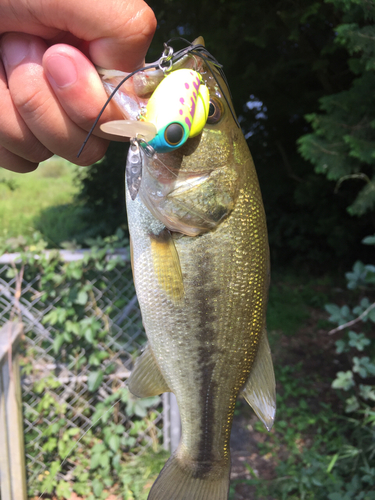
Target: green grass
25 196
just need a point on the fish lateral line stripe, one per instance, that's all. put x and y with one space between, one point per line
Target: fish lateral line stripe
206 361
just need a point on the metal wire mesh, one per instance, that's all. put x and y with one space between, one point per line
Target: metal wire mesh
113 300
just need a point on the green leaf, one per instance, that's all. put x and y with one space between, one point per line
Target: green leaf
114 442
343 380
97 487
358 340
58 342
341 346
351 404
97 357
369 240
89 336
98 447
68 337
50 445
116 462
72 327
128 441
367 392
104 462
94 380
82 298
63 489
332 462
363 366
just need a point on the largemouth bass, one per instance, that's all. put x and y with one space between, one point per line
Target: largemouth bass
201 270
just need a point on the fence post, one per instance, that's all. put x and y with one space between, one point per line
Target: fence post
171 422
12 452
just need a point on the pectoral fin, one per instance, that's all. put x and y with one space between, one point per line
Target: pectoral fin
167 265
146 378
259 390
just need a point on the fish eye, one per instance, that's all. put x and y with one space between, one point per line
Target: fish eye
215 111
173 134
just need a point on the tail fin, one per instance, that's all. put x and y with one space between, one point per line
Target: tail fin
176 482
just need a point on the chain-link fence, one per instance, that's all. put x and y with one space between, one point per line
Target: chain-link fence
78 350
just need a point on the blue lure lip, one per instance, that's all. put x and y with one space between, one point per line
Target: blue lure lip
165 63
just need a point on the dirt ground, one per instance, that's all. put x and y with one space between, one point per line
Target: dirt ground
244 446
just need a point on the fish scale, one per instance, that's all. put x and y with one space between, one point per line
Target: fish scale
201 270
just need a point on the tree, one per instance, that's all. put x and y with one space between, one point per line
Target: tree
342 145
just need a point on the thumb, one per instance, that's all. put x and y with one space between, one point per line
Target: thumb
127 39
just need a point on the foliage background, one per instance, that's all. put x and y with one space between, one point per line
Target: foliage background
281 58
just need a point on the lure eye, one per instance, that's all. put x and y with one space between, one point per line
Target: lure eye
173 134
215 111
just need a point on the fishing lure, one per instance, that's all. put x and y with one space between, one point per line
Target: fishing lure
177 110
165 63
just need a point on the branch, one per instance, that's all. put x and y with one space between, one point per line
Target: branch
354 321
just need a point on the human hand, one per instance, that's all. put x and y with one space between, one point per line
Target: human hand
50 92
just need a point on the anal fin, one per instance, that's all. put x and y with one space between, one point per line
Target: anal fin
260 388
146 378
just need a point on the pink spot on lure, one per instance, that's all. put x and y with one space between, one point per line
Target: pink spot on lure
192 109
187 121
181 112
182 100
196 84
187 86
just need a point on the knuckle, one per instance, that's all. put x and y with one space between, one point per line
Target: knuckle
24 144
149 22
38 153
31 103
142 25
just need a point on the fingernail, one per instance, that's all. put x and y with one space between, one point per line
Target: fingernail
14 50
61 70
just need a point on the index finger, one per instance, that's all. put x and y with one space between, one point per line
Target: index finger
118 33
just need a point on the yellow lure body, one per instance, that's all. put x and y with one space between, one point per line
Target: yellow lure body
178 108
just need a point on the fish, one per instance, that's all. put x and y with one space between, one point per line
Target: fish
201 268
